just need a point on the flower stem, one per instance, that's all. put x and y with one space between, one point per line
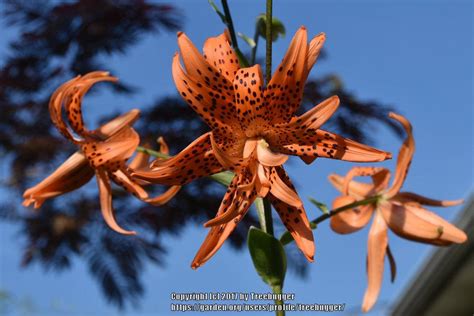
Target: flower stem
230 25
268 76
267 207
286 237
269 37
254 49
277 290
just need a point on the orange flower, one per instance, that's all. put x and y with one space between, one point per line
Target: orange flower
402 212
102 152
253 130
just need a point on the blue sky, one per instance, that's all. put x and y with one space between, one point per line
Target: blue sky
414 55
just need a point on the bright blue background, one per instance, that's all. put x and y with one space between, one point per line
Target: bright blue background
416 55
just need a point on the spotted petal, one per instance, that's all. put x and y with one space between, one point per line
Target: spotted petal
195 161
285 89
219 53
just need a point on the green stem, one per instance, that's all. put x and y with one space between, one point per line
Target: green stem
267 207
277 290
230 25
269 36
286 237
268 75
254 49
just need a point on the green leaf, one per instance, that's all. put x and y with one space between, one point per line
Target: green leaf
219 13
278 29
268 256
322 207
224 178
250 42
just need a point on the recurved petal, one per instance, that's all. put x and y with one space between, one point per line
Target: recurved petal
350 220
71 175
315 117
213 104
195 161
418 224
310 143
404 156
376 246
244 196
314 49
56 106
409 196
112 152
285 89
165 197
218 234
198 68
268 158
105 193
121 178
219 53
282 188
357 190
74 94
380 177
297 223
115 125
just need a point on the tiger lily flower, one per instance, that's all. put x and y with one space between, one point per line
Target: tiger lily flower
253 130
102 152
402 212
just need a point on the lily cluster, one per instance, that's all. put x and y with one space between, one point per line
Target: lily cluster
253 130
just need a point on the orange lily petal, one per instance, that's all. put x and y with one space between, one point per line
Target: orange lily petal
268 158
218 234
243 197
71 175
376 246
249 101
282 189
112 152
262 184
106 203
219 53
418 224
195 161
380 177
404 156
409 196
350 220
358 190
314 49
121 178
213 104
319 143
115 125
285 89
73 95
294 218
198 68
315 117
164 148
165 197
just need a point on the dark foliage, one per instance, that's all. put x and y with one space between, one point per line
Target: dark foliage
58 40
